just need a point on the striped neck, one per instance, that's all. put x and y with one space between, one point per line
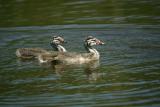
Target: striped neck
90 49
58 47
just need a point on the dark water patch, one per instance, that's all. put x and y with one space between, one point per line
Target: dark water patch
31 13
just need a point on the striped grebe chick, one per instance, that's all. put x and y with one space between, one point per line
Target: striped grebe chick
56 44
73 57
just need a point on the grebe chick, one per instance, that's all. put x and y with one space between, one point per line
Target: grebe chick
56 44
73 57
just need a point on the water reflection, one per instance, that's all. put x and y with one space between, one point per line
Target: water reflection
90 69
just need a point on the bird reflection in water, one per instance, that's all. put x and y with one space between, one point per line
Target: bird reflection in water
91 69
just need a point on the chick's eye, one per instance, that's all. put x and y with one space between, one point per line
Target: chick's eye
94 40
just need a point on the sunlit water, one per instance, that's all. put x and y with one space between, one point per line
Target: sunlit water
127 74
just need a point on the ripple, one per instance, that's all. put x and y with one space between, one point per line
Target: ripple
78 26
128 74
82 2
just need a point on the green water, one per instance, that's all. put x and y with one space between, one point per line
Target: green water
51 12
128 72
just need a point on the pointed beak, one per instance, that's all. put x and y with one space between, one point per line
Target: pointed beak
100 42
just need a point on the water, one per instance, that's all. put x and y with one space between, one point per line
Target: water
128 74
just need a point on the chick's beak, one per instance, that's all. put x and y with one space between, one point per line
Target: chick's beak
100 42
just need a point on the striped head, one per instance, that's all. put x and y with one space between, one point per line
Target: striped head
57 40
91 41
56 43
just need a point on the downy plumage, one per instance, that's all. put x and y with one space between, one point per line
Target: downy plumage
56 44
72 57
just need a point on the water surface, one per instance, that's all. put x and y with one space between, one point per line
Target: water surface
128 74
